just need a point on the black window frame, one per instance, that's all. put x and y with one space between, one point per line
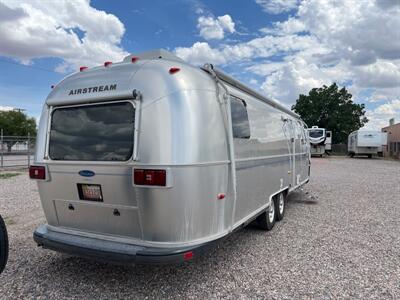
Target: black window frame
103 103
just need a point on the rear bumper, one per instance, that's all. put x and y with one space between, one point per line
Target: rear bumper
115 252
317 149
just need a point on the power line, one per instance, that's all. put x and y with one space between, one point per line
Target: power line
26 66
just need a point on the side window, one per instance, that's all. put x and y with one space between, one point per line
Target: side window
240 119
328 134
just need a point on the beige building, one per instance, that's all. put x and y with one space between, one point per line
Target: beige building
393 143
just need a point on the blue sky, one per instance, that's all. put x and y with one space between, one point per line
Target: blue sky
280 47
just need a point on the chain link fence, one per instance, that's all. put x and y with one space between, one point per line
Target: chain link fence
16 151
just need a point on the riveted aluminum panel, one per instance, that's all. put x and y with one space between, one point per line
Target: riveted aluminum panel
98 217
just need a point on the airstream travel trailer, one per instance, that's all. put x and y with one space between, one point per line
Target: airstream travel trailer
320 140
150 160
365 142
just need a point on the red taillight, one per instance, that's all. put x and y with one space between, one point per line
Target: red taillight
174 70
150 177
107 63
37 172
82 69
221 196
134 59
188 255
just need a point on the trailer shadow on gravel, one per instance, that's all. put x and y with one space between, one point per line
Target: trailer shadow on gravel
300 198
78 276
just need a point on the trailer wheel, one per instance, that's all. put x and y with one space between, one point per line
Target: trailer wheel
3 245
280 206
369 155
266 220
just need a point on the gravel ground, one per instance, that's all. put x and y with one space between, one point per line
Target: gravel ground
340 238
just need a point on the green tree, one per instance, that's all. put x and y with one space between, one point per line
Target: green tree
16 123
333 109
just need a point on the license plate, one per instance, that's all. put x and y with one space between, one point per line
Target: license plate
90 192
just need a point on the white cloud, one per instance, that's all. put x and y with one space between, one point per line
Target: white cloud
360 31
226 22
298 76
277 6
253 81
383 95
264 47
200 53
292 25
389 108
211 28
381 74
6 108
353 43
36 29
380 116
266 68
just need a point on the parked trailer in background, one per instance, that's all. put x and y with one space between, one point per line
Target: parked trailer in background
363 142
150 160
320 140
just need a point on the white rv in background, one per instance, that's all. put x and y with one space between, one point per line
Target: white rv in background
320 140
363 142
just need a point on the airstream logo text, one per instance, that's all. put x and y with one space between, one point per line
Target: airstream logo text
94 89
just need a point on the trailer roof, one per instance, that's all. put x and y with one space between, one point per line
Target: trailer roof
161 53
96 77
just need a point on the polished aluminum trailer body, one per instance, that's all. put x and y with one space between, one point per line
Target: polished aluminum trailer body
184 124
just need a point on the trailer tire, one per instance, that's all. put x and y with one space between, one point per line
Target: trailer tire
280 205
266 220
369 155
3 245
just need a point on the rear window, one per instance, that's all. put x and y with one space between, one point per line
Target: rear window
316 133
102 132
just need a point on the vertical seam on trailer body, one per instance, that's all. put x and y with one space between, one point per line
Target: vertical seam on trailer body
226 110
